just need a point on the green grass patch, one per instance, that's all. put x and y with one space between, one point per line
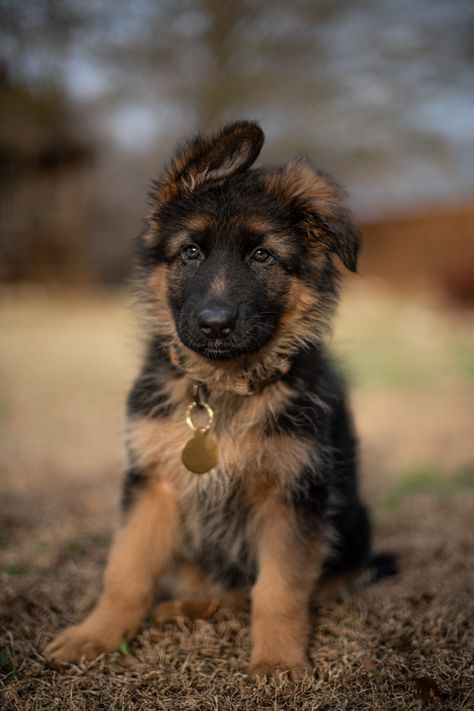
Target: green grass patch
7 674
16 569
428 479
40 548
5 539
124 647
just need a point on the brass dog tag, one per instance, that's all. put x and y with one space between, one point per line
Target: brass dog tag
200 452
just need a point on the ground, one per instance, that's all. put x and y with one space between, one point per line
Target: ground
405 643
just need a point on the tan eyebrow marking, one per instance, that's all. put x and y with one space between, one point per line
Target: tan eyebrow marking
176 242
194 223
259 224
273 239
198 223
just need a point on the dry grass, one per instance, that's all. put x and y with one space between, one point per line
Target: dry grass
65 363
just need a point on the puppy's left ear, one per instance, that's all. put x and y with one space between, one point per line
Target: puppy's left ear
230 151
208 160
319 204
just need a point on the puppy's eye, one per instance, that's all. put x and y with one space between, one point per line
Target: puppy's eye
191 251
260 255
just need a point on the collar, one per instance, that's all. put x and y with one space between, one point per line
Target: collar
249 383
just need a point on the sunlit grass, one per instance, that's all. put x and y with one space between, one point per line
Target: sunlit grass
398 342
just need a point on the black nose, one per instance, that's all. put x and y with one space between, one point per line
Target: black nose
217 321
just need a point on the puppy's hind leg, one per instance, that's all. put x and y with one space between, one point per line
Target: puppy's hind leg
140 551
189 592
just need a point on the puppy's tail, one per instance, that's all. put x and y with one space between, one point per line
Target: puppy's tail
381 565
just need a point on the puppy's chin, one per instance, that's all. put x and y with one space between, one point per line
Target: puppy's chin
219 353
216 350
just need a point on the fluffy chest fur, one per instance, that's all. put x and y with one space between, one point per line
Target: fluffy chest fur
258 461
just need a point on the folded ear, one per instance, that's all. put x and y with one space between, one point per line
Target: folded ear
203 159
319 205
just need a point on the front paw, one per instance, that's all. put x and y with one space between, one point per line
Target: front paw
274 670
79 642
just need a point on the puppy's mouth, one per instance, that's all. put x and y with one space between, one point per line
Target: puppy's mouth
218 349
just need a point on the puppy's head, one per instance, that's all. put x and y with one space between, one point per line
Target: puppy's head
238 260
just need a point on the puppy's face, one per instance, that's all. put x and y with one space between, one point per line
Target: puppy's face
241 256
230 256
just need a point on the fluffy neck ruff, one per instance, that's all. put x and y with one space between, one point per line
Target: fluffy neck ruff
243 376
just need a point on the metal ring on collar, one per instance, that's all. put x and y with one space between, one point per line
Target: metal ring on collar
210 414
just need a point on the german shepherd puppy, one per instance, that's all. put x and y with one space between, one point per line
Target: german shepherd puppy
239 288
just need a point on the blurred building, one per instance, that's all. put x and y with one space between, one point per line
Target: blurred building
45 183
424 248
377 93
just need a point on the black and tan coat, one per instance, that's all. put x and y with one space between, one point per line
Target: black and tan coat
238 288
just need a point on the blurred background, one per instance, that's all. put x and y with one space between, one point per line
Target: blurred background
93 97
94 94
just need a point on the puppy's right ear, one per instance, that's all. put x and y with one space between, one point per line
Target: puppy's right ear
318 204
209 160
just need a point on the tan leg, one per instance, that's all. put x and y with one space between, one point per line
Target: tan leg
288 569
141 549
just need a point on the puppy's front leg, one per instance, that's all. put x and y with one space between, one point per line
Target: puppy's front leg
141 549
288 566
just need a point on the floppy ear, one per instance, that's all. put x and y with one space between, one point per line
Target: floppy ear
319 204
203 160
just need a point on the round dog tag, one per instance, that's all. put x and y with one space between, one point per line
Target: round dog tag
200 453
